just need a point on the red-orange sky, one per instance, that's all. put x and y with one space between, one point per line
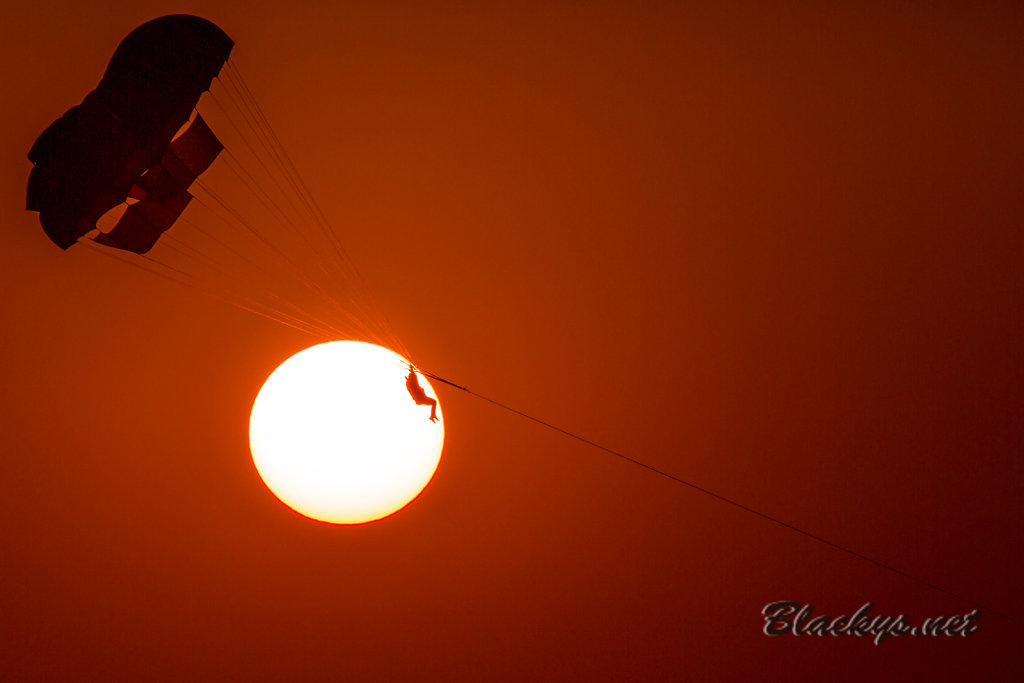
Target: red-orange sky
773 249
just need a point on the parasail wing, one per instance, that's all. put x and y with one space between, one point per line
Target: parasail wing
94 157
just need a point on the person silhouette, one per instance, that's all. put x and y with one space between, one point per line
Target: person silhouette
412 383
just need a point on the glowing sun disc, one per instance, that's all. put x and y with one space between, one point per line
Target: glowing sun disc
336 436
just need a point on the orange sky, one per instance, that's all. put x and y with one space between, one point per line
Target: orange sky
772 249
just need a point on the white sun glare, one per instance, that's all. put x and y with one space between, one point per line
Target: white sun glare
337 437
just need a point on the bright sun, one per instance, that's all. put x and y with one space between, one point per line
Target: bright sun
336 435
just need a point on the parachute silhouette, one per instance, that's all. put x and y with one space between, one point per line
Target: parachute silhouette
118 142
118 171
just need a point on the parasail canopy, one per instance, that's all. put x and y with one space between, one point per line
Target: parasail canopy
117 171
118 142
